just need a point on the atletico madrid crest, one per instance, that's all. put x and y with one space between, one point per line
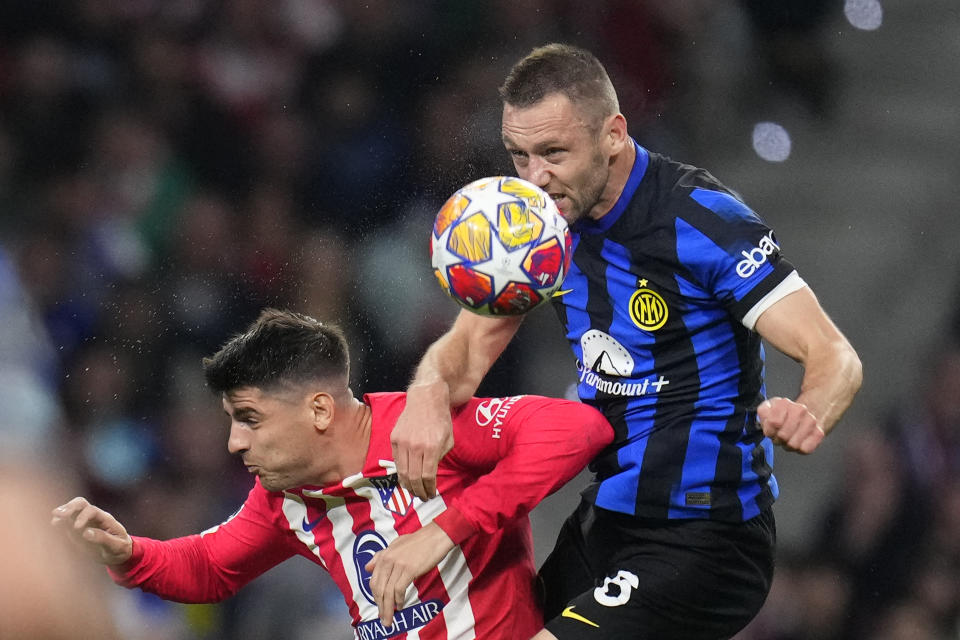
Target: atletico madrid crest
395 498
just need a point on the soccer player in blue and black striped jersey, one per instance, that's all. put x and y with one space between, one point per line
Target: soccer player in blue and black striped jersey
674 283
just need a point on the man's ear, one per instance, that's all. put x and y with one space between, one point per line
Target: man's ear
324 408
616 133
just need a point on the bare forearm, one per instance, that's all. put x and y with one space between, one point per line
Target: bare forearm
443 374
830 382
797 326
447 376
455 364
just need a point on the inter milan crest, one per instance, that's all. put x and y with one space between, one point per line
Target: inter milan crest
648 309
395 498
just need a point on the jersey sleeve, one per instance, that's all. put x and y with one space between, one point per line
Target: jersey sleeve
210 566
732 253
522 449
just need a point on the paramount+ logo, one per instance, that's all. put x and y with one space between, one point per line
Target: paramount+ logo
755 258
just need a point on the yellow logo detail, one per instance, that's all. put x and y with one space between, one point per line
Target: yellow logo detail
568 613
648 309
562 292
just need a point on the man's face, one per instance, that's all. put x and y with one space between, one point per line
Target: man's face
553 147
273 432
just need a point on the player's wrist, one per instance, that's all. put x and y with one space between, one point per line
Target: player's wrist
434 392
124 556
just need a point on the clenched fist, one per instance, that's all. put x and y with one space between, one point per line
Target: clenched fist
790 425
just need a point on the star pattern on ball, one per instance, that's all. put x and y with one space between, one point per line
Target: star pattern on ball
502 265
490 201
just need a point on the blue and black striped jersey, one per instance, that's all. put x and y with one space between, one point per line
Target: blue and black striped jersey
659 307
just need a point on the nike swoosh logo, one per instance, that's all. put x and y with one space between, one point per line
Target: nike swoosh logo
308 526
568 613
562 292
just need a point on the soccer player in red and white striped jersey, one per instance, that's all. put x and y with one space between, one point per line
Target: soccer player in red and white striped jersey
458 566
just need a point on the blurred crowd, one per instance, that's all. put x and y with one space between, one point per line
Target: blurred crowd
169 167
885 561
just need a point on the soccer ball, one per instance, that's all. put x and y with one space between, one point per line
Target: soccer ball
500 247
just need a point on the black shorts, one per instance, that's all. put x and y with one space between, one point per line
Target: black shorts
612 575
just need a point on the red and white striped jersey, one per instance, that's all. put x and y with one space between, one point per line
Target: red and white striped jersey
509 454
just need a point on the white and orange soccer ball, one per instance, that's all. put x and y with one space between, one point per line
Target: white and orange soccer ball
500 246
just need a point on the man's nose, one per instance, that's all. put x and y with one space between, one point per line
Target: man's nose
537 172
238 441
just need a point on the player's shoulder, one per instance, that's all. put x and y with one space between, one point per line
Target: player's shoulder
483 410
675 180
694 194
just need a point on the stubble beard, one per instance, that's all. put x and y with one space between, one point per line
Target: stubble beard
595 186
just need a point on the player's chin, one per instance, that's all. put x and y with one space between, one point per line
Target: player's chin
272 483
568 210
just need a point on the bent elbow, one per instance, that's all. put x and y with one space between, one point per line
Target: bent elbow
853 368
858 377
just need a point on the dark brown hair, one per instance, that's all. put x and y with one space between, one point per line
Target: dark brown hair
280 348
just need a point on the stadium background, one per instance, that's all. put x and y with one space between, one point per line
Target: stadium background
169 167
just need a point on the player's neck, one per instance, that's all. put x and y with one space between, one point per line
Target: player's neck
356 437
346 450
362 426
